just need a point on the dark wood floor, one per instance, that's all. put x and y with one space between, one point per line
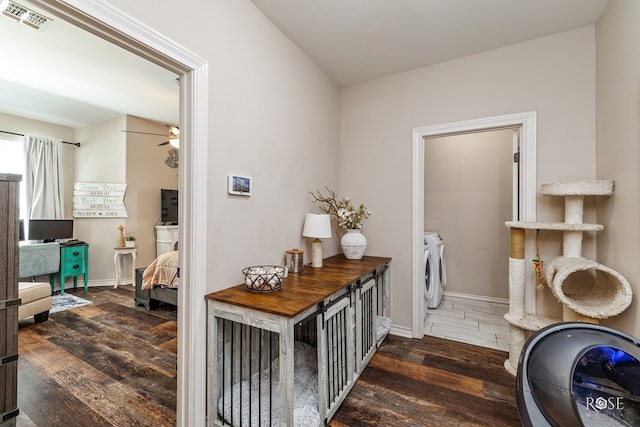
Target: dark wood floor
111 364
431 382
104 364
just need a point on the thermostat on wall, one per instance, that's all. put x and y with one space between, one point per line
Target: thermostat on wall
240 185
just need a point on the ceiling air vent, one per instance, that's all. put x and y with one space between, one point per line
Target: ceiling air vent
24 15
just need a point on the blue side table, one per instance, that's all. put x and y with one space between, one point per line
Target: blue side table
74 261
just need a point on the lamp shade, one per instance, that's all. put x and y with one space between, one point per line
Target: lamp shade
317 226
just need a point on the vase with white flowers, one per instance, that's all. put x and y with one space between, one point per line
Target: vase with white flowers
349 218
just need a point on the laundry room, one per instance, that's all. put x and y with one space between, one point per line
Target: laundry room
468 196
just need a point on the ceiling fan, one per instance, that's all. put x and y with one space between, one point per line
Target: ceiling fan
174 136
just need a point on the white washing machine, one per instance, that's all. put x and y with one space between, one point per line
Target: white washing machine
435 269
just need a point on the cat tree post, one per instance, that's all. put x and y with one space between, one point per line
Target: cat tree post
573 213
516 298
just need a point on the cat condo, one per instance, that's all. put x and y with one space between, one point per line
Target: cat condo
587 290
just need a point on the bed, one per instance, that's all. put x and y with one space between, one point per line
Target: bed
158 282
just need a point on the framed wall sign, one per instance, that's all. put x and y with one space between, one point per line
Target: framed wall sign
240 185
99 200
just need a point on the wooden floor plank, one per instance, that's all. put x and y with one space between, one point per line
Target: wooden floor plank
47 403
430 375
111 399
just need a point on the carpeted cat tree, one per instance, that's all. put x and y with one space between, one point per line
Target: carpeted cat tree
588 291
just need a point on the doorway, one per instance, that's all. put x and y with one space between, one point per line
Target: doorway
113 26
524 185
469 195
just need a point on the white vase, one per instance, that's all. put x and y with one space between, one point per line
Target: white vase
353 244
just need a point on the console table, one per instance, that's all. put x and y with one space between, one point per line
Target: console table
252 339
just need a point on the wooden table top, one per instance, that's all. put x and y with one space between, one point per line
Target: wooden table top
301 291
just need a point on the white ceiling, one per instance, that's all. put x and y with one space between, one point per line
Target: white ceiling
360 40
64 75
67 76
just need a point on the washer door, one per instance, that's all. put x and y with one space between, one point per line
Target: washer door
443 267
428 276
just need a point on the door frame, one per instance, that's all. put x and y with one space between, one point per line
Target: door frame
111 24
527 122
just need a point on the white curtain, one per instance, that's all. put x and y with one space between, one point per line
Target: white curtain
42 177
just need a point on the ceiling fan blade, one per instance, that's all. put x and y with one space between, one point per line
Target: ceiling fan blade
163 143
144 133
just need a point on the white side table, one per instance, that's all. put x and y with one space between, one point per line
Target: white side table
116 262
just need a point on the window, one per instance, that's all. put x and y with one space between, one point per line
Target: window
12 161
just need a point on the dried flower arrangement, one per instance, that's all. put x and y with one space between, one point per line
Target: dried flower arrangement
347 216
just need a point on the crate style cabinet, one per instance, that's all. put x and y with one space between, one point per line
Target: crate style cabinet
308 342
9 299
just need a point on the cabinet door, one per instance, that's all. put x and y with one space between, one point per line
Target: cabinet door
336 368
366 323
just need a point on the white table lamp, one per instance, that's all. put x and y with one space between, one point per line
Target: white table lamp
317 226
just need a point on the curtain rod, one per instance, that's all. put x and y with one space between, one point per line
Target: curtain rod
77 144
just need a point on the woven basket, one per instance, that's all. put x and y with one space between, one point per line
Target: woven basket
263 278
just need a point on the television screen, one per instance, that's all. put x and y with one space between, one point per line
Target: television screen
169 207
49 230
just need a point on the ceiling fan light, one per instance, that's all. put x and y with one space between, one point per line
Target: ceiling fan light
175 142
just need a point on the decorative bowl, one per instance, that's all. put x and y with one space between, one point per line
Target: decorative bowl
263 278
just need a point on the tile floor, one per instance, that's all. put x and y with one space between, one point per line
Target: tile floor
470 321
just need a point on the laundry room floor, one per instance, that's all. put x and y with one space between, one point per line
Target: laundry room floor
469 321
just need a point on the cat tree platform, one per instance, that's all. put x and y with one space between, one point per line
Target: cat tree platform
587 290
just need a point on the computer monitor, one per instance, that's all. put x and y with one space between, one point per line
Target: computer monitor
50 230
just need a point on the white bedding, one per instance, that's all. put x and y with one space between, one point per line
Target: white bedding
305 413
384 326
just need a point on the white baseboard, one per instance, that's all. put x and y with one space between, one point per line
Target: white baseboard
401 331
92 283
477 297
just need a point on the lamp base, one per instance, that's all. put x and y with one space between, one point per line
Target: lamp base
316 253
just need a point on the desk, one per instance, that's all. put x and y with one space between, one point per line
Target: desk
116 262
333 308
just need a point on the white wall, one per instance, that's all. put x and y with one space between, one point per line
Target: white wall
467 199
554 76
101 159
273 115
617 148
146 174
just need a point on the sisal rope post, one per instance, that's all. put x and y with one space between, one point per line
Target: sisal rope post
517 243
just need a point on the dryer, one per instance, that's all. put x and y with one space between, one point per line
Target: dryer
434 288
